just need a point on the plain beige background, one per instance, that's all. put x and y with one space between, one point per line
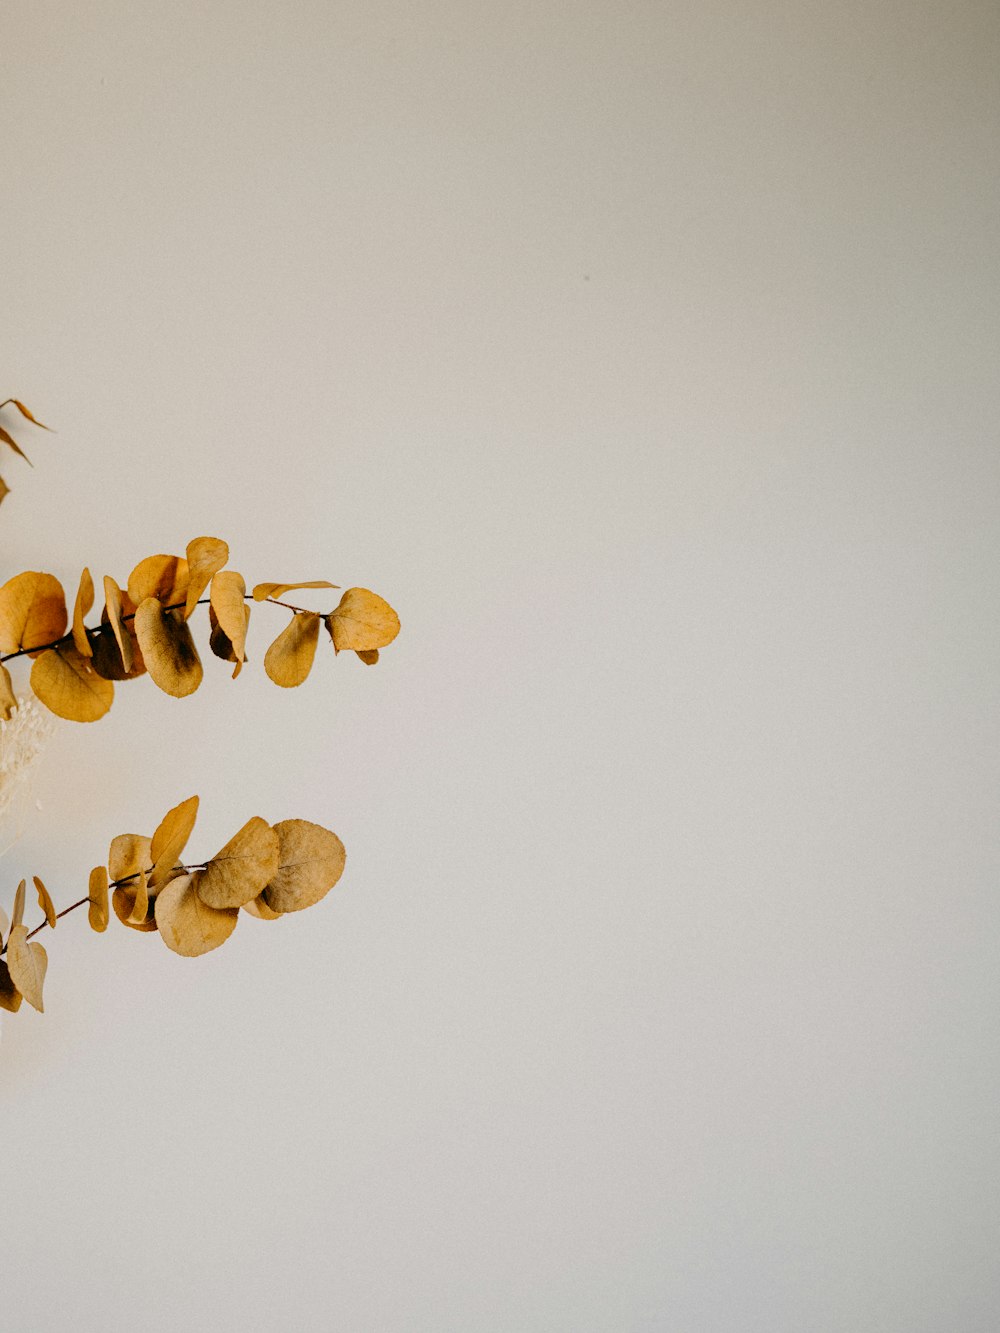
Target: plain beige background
644 355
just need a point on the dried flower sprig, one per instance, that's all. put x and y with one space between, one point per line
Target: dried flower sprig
267 870
144 628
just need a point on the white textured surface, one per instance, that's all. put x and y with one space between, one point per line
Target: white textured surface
645 356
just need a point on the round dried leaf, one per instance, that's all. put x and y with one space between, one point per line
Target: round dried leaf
32 611
205 557
97 889
228 598
171 838
289 659
124 904
244 867
220 642
164 577
312 860
68 685
188 925
84 601
362 621
27 962
167 649
128 854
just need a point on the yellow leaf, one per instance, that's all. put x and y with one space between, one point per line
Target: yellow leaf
260 910
228 602
123 903
312 860
17 915
84 601
10 996
8 699
140 905
289 659
7 438
167 649
68 685
45 901
205 557
188 925
368 655
164 577
220 642
362 621
244 867
264 590
32 612
113 607
27 962
171 837
97 890
128 854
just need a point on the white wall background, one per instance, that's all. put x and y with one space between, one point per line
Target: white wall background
644 355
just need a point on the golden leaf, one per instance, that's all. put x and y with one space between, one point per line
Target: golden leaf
25 413
17 914
228 602
362 621
10 996
45 901
27 962
123 903
4 490
84 601
140 905
260 910
7 438
32 612
167 649
97 889
205 557
170 838
68 685
188 925
264 590
368 655
312 860
242 869
164 577
113 607
128 854
8 699
289 659
220 642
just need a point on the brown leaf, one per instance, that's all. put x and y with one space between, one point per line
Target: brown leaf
228 602
368 655
312 860
205 557
220 642
8 699
362 621
167 649
97 890
164 577
32 612
84 601
68 685
45 901
17 912
289 659
188 925
27 962
107 659
171 838
243 868
113 607
25 413
264 590
10 996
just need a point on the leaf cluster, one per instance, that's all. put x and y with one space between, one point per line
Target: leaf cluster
144 628
8 439
267 870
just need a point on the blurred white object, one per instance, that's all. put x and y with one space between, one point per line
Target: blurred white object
22 740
